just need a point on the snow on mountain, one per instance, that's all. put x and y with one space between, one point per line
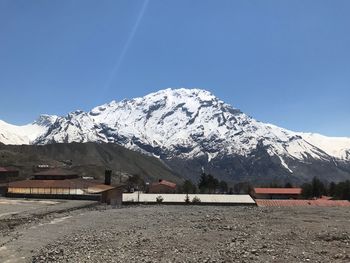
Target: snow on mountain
194 122
182 123
25 134
77 126
338 147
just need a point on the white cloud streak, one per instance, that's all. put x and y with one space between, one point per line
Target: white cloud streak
127 44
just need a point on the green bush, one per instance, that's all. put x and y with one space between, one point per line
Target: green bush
196 200
159 199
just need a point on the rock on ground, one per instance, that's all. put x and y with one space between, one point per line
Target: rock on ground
205 234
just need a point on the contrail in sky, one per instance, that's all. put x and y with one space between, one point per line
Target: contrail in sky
127 44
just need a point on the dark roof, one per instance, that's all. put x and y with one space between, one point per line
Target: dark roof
80 183
67 183
277 191
56 171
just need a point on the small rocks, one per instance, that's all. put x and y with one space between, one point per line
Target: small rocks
206 234
254 251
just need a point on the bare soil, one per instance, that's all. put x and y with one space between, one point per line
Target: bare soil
162 233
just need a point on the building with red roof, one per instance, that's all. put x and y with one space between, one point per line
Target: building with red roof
322 202
65 184
163 187
276 193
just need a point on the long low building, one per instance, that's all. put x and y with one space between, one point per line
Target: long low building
276 193
58 183
56 187
291 203
180 198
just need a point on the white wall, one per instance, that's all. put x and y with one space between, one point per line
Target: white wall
180 198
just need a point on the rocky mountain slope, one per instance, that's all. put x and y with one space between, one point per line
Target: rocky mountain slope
190 130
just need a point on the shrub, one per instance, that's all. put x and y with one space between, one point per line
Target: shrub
187 199
196 200
159 199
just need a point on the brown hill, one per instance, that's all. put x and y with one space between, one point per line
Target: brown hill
88 159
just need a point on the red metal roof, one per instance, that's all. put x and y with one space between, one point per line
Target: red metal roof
7 170
316 202
99 188
166 183
3 169
277 191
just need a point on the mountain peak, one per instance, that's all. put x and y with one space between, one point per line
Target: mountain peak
183 93
45 120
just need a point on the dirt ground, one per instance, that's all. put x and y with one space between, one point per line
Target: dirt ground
162 233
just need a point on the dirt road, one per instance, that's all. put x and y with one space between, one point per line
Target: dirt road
27 225
184 234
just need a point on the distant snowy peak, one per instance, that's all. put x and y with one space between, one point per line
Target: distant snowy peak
9 134
338 147
190 100
25 134
169 119
183 123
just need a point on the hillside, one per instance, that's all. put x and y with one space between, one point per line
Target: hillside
89 159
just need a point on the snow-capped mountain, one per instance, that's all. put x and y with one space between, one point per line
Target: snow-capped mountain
339 147
25 134
185 124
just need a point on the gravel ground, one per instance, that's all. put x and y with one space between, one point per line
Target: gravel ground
27 225
14 206
200 234
18 212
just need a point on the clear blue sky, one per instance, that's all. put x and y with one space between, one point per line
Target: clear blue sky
283 62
